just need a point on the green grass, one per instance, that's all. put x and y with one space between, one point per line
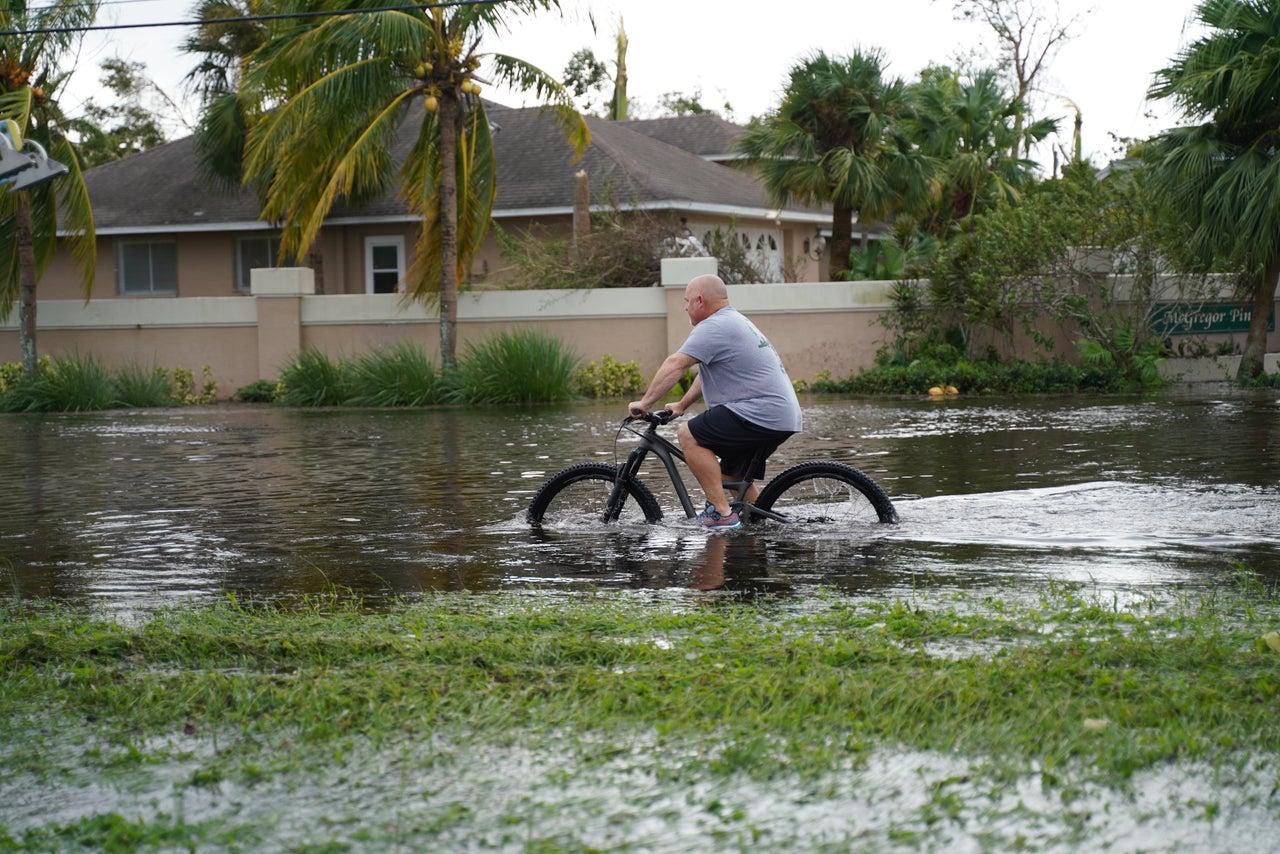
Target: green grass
1076 694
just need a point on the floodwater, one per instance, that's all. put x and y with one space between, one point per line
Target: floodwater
1131 496
136 509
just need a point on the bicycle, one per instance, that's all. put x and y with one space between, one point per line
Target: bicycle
822 492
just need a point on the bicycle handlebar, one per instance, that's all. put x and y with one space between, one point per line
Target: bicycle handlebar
657 418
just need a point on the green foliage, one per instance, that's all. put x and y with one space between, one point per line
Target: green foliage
184 384
79 384
609 378
1138 364
1070 694
524 366
315 380
735 260
84 383
975 378
512 367
258 391
624 250
403 375
1090 258
143 387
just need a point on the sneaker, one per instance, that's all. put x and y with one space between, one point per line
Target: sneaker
713 521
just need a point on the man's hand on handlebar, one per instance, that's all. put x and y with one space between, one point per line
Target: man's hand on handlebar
656 416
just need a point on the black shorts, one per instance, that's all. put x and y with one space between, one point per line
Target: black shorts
735 440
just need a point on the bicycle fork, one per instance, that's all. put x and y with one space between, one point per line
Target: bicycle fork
618 495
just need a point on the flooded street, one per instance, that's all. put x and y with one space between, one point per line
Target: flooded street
137 509
1048 548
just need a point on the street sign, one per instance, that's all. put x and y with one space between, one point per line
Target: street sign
1204 318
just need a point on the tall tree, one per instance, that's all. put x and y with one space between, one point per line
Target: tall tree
1029 32
126 126
1223 172
227 35
834 140
37 42
329 95
971 125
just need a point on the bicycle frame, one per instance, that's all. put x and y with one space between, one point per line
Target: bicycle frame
668 452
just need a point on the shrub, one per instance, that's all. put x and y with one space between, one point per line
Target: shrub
315 380
524 366
258 391
609 378
79 384
141 387
969 377
184 386
403 375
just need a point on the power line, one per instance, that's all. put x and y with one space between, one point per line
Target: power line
328 13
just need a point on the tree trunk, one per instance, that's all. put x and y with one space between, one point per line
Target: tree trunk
841 241
27 288
581 208
448 230
1255 344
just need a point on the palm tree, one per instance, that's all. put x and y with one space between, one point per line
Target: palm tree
1223 174
833 140
327 96
971 127
37 41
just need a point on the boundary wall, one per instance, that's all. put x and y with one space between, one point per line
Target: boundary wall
816 327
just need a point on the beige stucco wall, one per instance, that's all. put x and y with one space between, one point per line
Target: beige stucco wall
816 327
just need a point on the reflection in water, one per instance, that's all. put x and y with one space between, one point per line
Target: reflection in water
137 508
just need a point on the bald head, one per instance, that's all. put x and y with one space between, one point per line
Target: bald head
704 296
712 288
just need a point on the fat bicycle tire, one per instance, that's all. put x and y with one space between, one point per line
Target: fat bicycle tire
574 489
826 493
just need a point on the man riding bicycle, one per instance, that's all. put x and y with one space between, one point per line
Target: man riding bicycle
751 404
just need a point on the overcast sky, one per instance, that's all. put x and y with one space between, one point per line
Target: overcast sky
738 52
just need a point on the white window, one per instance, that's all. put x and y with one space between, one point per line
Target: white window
383 264
254 253
147 267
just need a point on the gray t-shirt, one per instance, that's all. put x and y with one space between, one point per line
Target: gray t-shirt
741 370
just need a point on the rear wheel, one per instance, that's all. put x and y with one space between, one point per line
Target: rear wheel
581 493
830 494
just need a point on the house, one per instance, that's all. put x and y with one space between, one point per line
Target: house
166 230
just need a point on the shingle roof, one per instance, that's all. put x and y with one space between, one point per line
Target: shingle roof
710 137
629 163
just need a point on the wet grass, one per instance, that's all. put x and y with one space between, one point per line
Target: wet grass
705 701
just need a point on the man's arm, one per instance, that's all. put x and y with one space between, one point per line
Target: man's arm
664 380
692 396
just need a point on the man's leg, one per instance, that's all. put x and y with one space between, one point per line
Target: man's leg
753 491
705 467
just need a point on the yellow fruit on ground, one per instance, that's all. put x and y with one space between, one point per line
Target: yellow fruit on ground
937 391
952 390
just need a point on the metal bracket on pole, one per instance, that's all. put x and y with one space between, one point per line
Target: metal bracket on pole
22 170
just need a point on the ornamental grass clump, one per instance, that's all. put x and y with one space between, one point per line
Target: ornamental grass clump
524 366
79 384
403 375
315 380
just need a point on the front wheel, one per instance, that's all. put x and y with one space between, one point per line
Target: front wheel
830 494
580 493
